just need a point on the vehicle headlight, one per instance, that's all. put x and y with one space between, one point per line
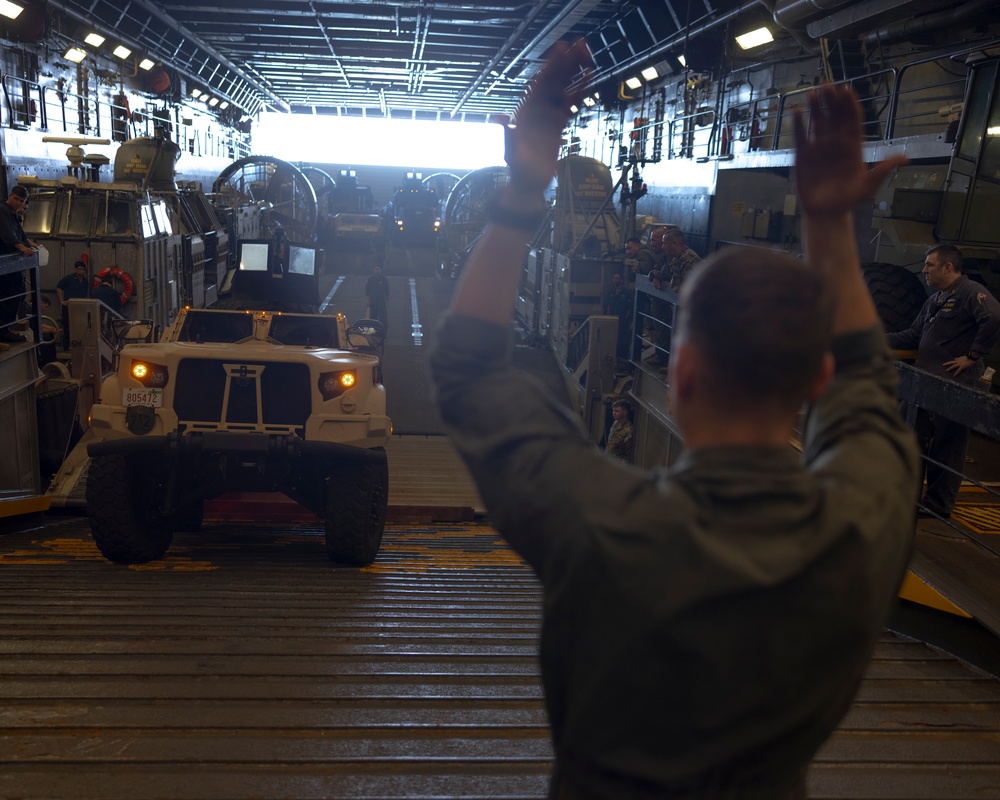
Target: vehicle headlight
334 384
150 375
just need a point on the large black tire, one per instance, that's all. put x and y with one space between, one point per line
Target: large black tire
898 294
122 504
356 501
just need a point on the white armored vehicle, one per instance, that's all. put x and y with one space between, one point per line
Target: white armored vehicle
249 400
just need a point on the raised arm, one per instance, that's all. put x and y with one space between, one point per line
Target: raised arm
832 180
489 283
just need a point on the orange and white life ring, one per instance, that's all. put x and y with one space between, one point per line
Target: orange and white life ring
116 272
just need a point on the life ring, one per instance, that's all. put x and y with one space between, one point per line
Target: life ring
120 274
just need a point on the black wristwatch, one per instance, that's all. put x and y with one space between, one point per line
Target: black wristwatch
972 355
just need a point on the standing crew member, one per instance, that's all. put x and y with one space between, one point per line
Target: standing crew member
377 292
957 326
705 627
13 240
107 294
681 259
75 286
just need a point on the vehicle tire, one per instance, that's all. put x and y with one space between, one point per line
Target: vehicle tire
898 294
356 502
121 504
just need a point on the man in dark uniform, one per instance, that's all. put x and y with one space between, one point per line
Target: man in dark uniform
74 286
705 627
107 294
12 240
377 292
957 326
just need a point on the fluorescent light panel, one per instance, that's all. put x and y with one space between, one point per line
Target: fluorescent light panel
94 39
9 9
682 61
755 38
196 93
633 83
122 52
146 64
75 54
213 101
650 74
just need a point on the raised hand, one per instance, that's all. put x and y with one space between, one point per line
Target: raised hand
532 139
830 175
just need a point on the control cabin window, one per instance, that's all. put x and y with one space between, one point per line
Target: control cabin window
40 215
114 217
76 214
304 331
216 327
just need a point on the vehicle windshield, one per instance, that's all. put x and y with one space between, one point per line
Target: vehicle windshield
216 326
304 331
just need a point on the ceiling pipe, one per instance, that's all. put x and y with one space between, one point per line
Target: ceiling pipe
509 43
904 29
329 44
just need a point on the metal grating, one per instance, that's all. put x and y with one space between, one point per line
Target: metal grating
245 665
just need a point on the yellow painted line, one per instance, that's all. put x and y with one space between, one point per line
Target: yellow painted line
915 590
443 548
404 550
983 519
24 505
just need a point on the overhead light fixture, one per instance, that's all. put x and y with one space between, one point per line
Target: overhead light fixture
755 38
122 52
223 105
573 109
75 54
94 39
213 101
650 74
589 102
682 61
196 93
9 9
146 64
633 83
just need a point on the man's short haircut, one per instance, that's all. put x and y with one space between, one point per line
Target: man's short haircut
675 235
946 253
633 239
19 191
762 321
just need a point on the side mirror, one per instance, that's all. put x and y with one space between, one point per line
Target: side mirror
367 334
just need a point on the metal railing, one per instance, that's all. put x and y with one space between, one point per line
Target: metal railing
899 101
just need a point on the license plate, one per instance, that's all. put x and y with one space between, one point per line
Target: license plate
142 397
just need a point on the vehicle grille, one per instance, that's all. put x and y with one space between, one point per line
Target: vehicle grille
230 392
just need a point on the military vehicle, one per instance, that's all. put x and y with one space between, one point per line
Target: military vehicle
255 397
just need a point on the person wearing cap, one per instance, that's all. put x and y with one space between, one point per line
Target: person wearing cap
75 285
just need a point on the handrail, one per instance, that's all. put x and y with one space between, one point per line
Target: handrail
26 112
886 113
